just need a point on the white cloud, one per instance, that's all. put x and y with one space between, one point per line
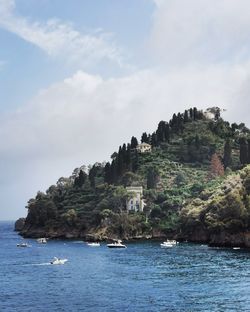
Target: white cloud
84 118
60 40
201 31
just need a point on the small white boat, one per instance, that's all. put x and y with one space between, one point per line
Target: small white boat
117 244
42 240
94 244
23 245
58 261
169 243
236 248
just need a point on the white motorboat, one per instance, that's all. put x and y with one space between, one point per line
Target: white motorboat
58 261
23 245
42 240
117 244
94 244
169 243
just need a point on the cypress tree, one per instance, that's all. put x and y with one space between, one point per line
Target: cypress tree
135 161
92 174
248 151
227 158
134 142
120 162
107 173
161 131
152 177
81 178
154 139
191 113
195 113
167 132
186 119
144 138
114 171
243 151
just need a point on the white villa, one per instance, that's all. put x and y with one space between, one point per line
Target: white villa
135 202
144 147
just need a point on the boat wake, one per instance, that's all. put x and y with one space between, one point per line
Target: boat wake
36 264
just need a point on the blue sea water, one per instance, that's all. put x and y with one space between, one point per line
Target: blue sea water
143 277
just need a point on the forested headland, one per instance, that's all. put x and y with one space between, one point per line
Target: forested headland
195 179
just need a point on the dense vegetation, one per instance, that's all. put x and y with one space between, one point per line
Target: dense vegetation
191 180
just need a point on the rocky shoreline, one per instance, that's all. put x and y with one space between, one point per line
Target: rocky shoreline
222 239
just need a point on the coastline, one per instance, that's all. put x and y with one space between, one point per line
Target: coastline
222 239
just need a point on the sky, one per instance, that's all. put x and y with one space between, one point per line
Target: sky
78 78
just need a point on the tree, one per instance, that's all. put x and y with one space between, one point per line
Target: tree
144 138
167 132
152 177
186 119
248 151
216 167
195 113
80 180
154 139
243 151
92 174
134 142
107 173
227 158
161 131
135 161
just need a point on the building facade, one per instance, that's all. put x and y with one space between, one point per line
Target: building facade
135 201
144 148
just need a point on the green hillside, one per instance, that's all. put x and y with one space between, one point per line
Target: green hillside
193 156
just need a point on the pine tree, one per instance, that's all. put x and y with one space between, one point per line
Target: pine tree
227 158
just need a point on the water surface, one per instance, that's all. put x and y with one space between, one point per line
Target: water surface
143 277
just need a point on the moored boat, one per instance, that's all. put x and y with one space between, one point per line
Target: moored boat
22 245
169 243
42 240
117 244
95 244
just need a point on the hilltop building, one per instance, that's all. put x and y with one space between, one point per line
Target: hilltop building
135 202
144 147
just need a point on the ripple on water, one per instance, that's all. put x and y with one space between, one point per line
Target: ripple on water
143 277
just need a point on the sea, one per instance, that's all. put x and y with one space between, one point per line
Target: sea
142 277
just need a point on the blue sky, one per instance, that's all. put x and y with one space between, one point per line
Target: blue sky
23 58
112 69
